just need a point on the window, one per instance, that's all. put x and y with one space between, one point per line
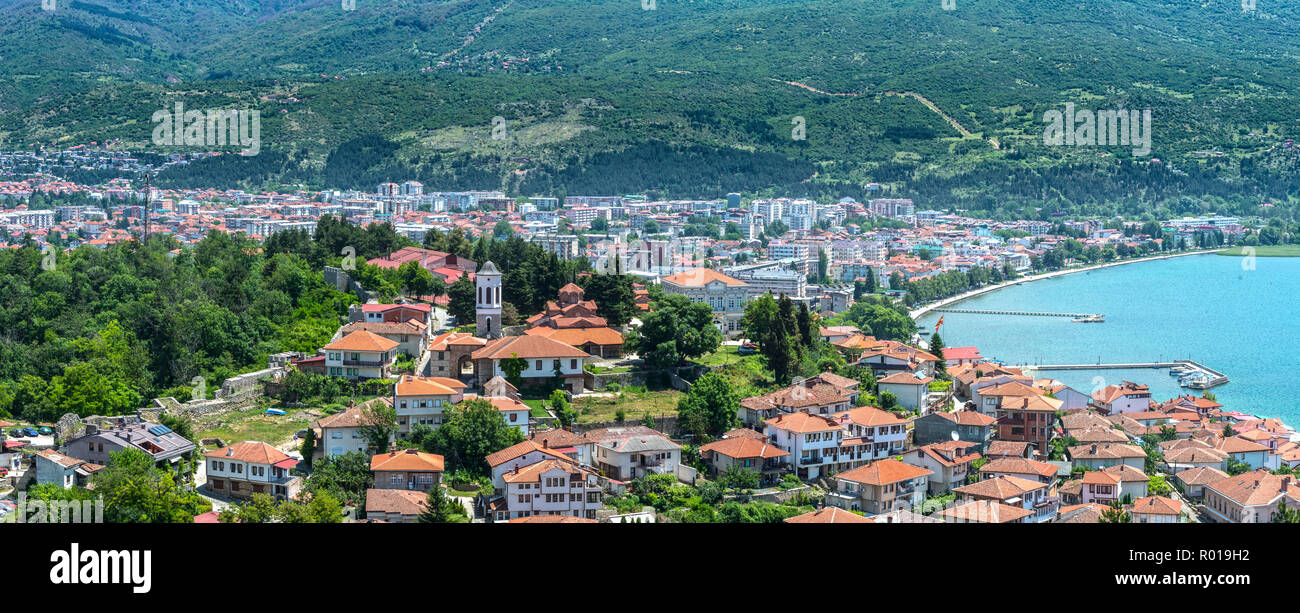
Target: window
514 417
539 364
573 364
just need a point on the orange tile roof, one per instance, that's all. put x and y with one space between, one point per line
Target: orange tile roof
362 340
527 347
803 422
744 447
699 277
253 452
407 460
1157 505
520 449
411 385
882 472
829 515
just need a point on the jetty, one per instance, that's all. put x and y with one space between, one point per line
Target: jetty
1086 317
1213 378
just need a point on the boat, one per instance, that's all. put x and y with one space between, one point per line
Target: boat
1090 319
275 412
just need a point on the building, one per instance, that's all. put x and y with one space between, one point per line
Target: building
985 512
97 444
1034 496
909 389
726 296
394 505
408 469
1250 498
409 335
341 433
1105 455
54 468
487 310
1028 419
829 515
251 467
880 487
755 454
1156 510
549 487
423 400
628 452
1127 397
361 355
966 426
545 360
949 464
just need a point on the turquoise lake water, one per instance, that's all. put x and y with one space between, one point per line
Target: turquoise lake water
1207 308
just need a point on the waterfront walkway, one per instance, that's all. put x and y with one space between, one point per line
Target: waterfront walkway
1214 377
922 310
1033 313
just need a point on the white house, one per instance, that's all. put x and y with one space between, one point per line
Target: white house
909 389
628 452
340 433
422 401
251 467
360 355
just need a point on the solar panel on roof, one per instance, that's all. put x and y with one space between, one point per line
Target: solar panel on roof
159 430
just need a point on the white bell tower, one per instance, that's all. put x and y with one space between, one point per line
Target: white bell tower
487 285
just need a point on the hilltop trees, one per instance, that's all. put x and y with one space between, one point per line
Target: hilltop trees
106 329
710 407
676 330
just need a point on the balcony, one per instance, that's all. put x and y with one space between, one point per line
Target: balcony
365 363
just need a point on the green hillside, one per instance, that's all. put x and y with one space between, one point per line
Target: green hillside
690 99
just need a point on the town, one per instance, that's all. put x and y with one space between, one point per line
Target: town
622 359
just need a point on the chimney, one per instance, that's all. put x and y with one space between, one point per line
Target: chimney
546 443
516 470
1094 448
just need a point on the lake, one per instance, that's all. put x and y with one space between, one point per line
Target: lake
1209 308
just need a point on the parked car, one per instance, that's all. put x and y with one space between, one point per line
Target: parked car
31 431
17 433
45 430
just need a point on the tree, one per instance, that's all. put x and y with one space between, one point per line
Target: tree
1286 514
936 348
462 303
308 448
565 413
441 509
806 328
514 367
503 229
137 491
1157 485
614 297
378 424
677 329
1115 514
709 407
473 430
344 477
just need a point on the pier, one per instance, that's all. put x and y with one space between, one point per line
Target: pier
1087 316
1214 377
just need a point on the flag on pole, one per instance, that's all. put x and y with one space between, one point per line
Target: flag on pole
938 323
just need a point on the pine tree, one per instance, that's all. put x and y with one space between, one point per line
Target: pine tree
936 348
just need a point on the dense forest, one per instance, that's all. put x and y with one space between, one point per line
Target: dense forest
102 331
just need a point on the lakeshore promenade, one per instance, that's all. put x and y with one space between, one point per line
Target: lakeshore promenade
921 311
